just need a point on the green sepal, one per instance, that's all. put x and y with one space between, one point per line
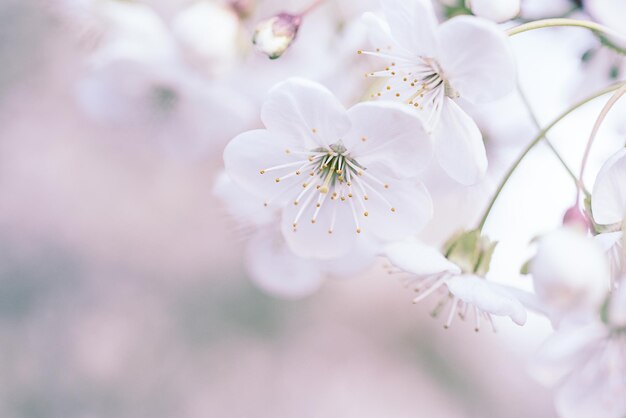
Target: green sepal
470 251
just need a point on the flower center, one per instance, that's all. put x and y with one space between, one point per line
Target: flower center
332 177
419 82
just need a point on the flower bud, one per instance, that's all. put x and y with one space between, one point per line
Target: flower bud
494 10
575 218
274 35
570 271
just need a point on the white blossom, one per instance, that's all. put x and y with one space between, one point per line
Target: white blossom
465 290
431 67
337 175
570 272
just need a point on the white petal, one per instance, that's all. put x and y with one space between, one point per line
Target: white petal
249 153
240 203
570 271
412 210
306 113
276 270
608 240
380 37
459 145
564 351
413 24
495 10
476 56
608 201
361 257
486 296
390 136
415 257
312 240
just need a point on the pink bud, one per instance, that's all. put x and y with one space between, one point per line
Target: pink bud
242 7
576 218
274 35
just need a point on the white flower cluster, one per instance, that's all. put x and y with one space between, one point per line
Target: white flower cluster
326 189
337 187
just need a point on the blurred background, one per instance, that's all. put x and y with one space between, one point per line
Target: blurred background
123 285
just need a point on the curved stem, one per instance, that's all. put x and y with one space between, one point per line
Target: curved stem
535 141
546 23
535 121
605 110
310 7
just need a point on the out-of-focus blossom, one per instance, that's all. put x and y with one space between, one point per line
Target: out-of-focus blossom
612 14
608 205
495 10
211 36
271 265
586 364
339 175
570 272
431 67
137 78
274 35
461 274
542 9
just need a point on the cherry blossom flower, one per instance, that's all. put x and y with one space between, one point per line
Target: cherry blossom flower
338 175
271 265
608 204
430 68
462 282
586 364
570 273
495 10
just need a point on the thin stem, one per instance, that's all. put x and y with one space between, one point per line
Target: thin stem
535 141
605 110
546 23
310 7
535 121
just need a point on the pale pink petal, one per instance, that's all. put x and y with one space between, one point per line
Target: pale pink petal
389 137
276 270
608 201
459 145
476 56
413 256
407 207
413 24
305 113
254 151
313 240
488 297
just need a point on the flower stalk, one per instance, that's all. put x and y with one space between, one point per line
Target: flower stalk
547 23
538 139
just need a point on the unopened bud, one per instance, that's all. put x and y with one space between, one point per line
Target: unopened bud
576 218
274 35
494 10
